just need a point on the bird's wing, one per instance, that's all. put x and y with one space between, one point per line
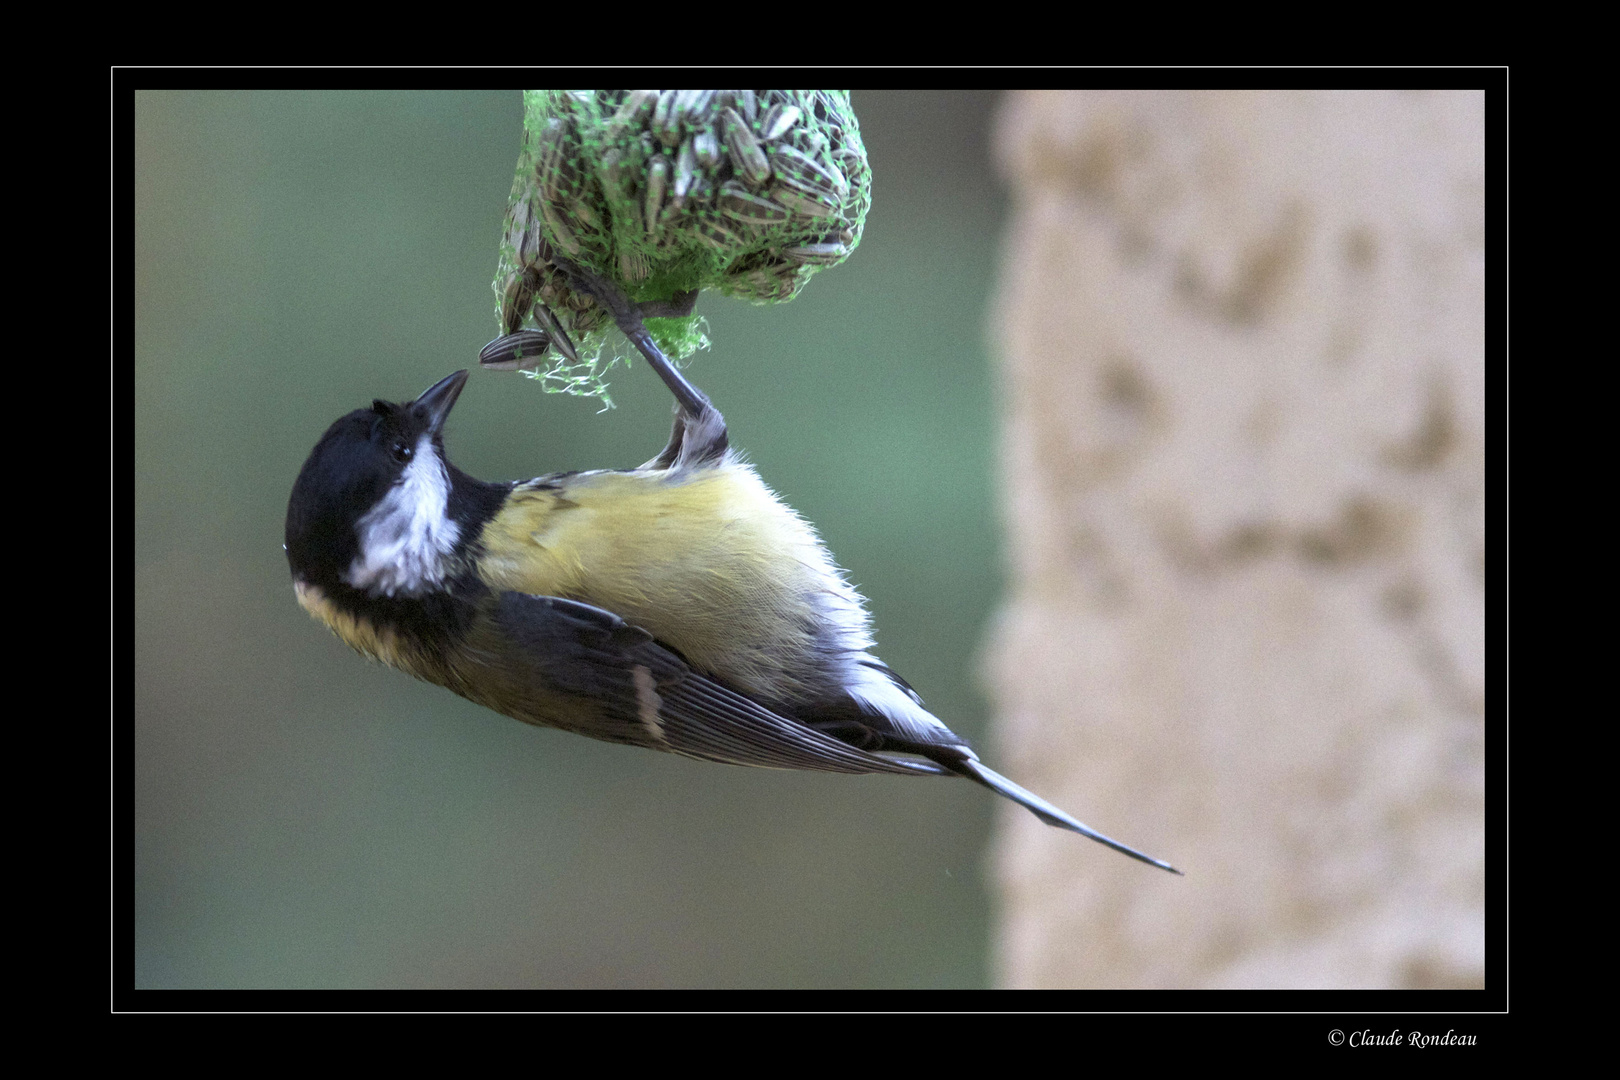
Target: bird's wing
600 676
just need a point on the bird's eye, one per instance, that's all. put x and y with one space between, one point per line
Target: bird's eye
401 451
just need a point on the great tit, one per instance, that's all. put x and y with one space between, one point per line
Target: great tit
680 606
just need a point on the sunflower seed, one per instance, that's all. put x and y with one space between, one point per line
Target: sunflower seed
815 142
779 121
559 232
548 323
559 180
737 202
517 219
815 254
747 158
534 247
666 122
583 214
657 179
553 286
805 204
695 107
707 148
852 164
685 173
765 284
610 167
523 233
638 105
794 166
717 235
633 266
516 300
701 194
523 348
615 171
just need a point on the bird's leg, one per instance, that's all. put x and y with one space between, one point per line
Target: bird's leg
509 351
700 430
628 316
678 306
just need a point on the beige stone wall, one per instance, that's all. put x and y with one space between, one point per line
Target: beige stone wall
1242 339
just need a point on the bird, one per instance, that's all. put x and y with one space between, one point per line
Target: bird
680 606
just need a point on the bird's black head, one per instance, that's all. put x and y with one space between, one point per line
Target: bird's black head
370 509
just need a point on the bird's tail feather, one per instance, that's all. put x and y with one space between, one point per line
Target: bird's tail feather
973 769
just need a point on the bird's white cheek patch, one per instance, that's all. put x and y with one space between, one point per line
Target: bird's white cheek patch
406 540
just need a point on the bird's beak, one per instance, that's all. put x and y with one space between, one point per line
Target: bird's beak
437 400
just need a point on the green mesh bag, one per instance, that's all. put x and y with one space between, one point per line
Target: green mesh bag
664 192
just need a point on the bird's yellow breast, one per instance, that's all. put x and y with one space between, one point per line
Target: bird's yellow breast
707 560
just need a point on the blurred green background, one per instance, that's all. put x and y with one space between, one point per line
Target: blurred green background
307 819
